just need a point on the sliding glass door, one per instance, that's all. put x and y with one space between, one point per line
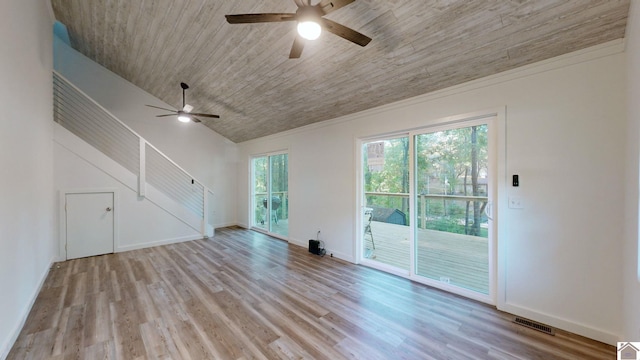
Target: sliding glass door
270 194
426 201
451 242
386 212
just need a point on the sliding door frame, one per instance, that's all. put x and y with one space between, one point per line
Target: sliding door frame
252 196
361 204
495 119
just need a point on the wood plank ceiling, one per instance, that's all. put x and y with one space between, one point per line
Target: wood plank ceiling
243 73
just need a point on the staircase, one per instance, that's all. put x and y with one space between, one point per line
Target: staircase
159 179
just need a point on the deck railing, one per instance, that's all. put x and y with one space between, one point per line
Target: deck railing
423 202
283 209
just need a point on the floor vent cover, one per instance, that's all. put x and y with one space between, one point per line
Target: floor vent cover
535 325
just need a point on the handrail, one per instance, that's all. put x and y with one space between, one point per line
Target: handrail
123 124
79 113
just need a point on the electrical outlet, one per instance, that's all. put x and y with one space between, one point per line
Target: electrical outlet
515 202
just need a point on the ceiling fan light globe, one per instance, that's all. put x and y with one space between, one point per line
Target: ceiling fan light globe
309 30
184 118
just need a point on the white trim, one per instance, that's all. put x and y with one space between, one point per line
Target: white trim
25 313
229 224
576 57
158 243
358 224
495 118
62 224
102 162
142 168
561 323
386 268
499 187
252 197
336 254
205 213
89 98
500 207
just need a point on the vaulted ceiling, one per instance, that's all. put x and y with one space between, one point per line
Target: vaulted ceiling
243 72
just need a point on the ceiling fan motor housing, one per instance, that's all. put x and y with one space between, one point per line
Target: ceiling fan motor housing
309 13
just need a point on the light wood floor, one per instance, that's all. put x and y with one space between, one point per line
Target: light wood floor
244 295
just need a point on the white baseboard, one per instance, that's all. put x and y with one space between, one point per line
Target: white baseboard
158 243
224 225
242 225
341 256
25 313
336 254
563 324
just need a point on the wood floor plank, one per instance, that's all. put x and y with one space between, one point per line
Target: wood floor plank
158 341
244 295
73 346
126 321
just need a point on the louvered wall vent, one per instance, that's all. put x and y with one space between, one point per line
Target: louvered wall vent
535 325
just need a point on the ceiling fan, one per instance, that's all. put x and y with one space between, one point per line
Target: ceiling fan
310 20
185 115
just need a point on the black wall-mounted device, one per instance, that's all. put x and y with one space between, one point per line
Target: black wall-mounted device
516 180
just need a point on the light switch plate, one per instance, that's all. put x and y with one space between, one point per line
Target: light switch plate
515 202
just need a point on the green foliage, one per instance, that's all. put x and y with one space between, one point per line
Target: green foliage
449 162
452 225
444 158
271 171
396 160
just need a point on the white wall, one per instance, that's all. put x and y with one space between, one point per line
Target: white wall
203 153
27 245
565 121
141 222
630 253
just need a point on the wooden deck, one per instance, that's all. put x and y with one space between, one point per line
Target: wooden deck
461 260
281 227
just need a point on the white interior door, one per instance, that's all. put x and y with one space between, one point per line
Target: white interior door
89 221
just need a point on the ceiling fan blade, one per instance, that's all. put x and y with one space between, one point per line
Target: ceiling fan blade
259 18
206 115
158 107
296 48
345 32
165 115
328 6
195 119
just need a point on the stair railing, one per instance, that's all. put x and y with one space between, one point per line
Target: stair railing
84 117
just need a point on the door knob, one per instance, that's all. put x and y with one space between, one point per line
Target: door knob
108 209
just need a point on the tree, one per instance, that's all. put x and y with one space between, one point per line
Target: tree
394 177
449 162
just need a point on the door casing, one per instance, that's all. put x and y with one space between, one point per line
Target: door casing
62 223
497 159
